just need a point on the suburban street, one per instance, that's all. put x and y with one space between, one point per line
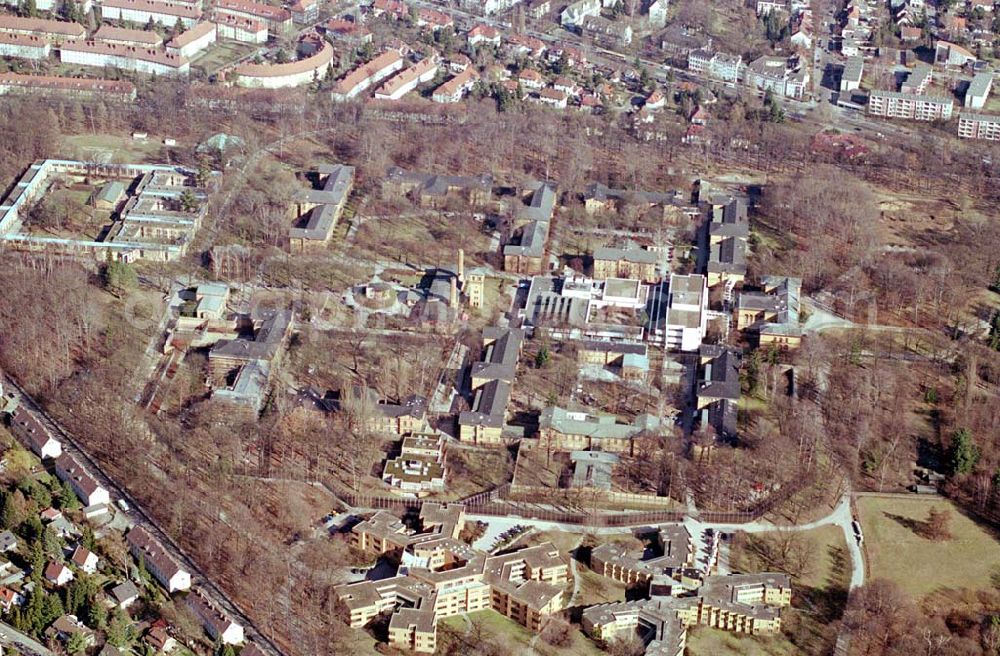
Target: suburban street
12 638
140 517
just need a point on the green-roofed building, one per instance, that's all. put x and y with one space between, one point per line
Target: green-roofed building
110 195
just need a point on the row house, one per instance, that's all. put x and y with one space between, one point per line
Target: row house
163 566
367 75
217 622
86 487
408 80
277 19
75 87
130 58
190 42
24 46
158 11
455 89
240 29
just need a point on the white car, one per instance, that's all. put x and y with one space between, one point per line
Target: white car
123 505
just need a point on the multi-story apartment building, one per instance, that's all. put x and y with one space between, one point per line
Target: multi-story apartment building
289 74
406 81
896 104
441 576
674 550
367 75
717 65
774 74
278 19
190 42
51 30
165 12
238 28
455 89
141 60
742 603
850 79
157 561
76 87
86 487
24 46
979 90
216 622
127 37
979 126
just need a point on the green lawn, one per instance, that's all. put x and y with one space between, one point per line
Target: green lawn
597 589
221 54
703 641
490 626
122 149
898 552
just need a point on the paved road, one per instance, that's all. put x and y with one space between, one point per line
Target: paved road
11 637
142 518
841 516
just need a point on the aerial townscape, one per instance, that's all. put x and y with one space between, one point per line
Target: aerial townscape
500 327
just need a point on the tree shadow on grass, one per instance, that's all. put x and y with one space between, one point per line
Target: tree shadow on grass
917 526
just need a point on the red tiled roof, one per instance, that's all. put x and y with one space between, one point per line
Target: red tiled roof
40 26
318 60
180 10
267 12
68 83
190 36
131 52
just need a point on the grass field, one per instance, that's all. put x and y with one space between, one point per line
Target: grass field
818 598
494 627
116 148
703 641
898 552
221 54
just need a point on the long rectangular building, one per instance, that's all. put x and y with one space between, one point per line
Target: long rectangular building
157 561
76 87
86 487
979 90
277 19
406 81
192 41
979 126
216 621
52 30
127 37
159 11
24 46
367 75
916 107
130 58
241 29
